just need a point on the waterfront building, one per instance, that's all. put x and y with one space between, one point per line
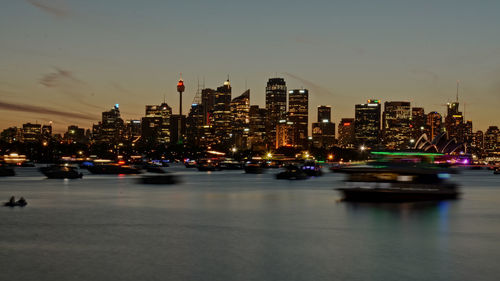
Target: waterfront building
477 143
396 124
275 106
367 123
347 137
491 141
285 134
298 114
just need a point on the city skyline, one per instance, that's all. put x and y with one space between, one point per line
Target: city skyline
80 59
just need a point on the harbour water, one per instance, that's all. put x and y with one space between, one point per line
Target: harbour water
234 226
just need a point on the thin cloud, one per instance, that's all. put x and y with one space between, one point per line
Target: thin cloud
44 110
58 78
315 88
58 10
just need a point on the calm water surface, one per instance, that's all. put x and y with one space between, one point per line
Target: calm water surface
234 226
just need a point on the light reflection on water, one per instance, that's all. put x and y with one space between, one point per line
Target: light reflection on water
233 226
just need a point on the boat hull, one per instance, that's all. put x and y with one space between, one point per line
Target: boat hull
396 195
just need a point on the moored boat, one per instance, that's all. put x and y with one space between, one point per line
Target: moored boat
292 172
61 172
113 169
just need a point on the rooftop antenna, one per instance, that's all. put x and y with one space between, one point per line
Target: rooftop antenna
458 83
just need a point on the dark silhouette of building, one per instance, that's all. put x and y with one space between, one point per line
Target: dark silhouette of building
32 132
491 136
418 122
110 129
323 131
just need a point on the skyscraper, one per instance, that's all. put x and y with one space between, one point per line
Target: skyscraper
110 129
434 124
418 122
367 123
275 106
222 113
323 131
347 137
396 124
298 114
240 112
156 125
257 124
324 113
491 136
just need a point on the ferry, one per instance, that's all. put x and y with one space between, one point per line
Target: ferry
399 181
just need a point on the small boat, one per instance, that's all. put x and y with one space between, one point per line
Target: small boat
230 164
292 172
163 179
190 164
207 165
254 167
61 172
312 169
113 169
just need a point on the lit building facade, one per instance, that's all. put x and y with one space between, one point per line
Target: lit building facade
396 124
275 106
323 131
298 114
240 112
367 123
347 137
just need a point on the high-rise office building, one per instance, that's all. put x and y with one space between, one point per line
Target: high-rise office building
418 122
347 137
367 123
74 134
298 114
194 125
110 129
434 124
32 132
156 125
222 113
323 131
275 106
257 136
324 113
454 122
285 134
396 124
491 143
240 112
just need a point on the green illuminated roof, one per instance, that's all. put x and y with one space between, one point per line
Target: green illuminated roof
406 153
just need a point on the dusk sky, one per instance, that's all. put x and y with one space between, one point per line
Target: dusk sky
67 60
